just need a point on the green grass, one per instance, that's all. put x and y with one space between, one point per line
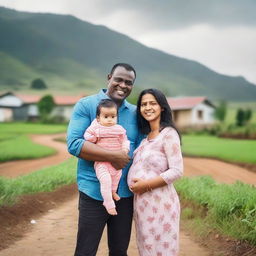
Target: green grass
31 128
230 209
45 180
16 145
21 147
232 108
237 151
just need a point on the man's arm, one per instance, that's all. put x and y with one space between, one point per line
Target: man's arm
92 152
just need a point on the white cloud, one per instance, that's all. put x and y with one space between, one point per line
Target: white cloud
229 51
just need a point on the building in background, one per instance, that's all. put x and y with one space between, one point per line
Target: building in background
20 107
192 112
188 112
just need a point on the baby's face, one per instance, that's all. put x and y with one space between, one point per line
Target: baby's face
108 116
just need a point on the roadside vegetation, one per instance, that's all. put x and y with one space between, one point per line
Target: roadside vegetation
237 151
228 209
16 145
45 180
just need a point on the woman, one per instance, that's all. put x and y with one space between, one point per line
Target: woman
156 165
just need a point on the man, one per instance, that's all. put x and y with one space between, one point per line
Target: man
92 214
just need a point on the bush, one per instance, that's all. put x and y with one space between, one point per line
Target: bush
45 107
38 84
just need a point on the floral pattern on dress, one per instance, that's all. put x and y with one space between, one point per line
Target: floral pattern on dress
157 212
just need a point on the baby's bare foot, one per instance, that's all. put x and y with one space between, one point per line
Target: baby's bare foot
112 211
115 196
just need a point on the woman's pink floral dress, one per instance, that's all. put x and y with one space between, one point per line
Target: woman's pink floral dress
157 212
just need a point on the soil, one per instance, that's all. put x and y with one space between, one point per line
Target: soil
15 168
46 223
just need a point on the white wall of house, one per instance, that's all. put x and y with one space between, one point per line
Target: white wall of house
1 115
33 110
63 111
202 114
10 101
6 114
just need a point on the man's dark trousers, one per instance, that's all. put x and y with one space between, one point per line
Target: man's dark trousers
92 219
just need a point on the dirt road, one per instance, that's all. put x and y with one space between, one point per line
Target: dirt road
54 232
220 171
15 168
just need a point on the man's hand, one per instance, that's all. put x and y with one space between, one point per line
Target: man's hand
120 160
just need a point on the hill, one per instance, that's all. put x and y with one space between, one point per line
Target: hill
72 54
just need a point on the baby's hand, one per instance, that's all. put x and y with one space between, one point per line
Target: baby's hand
125 150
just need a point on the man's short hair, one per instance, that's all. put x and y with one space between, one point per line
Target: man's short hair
124 65
105 103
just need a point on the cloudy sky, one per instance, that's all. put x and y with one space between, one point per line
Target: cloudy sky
220 34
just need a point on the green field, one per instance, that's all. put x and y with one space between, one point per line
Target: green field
47 179
21 147
16 145
232 108
31 128
237 151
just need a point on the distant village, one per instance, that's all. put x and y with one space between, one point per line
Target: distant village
187 111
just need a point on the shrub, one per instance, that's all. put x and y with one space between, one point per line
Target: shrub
45 107
38 84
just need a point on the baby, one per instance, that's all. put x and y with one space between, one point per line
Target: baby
105 132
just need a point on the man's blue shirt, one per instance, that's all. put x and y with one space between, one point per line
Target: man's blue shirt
84 113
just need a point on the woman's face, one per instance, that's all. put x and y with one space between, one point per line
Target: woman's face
150 109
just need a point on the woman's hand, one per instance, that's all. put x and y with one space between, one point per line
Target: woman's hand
140 186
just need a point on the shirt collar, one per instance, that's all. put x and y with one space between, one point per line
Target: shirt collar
103 95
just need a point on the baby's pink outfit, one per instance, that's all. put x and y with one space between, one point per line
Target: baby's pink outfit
112 138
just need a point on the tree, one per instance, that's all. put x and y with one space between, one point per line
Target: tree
38 84
221 111
240 117
45 107
247 115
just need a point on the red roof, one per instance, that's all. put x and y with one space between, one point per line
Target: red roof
186 102
67 100
28 98
59 100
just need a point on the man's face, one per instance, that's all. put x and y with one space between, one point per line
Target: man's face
120 84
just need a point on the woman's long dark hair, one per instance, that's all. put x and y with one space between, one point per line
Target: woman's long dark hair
166 119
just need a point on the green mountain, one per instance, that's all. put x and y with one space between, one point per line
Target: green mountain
72 54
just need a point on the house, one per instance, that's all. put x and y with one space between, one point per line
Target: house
192 111
20 107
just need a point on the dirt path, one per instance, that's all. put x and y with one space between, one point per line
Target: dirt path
220 171
54 233
15 168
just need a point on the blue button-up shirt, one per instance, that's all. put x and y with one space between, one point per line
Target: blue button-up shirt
84 113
